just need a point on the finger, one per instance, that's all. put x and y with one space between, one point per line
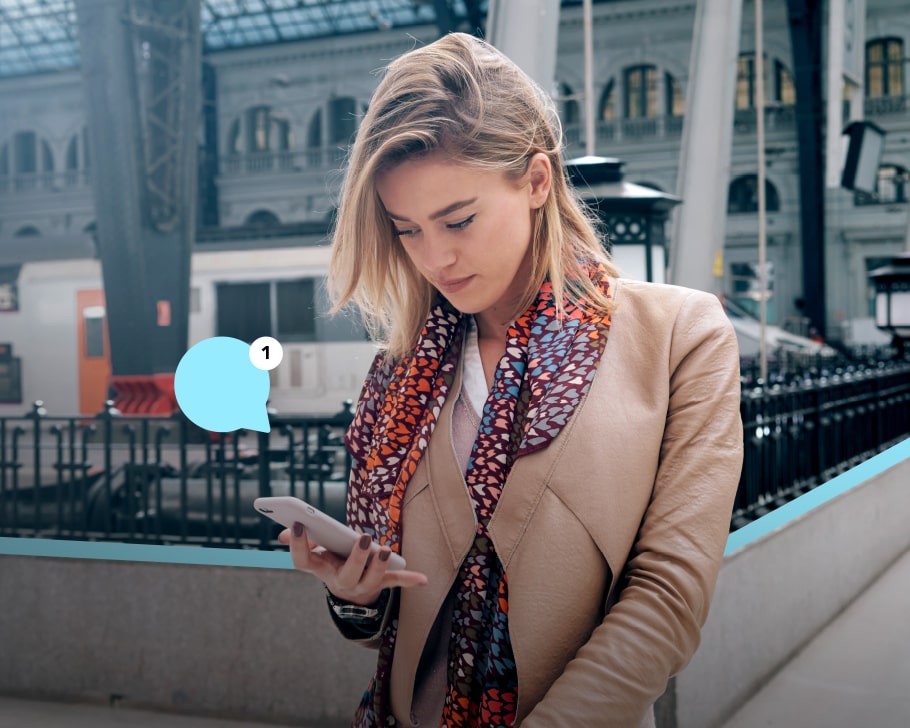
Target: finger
286 535
403 578
377 576
351 572
320 562
373 575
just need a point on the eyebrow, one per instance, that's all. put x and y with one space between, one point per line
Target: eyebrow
439 213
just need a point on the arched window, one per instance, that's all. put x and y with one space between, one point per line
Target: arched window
77 152
784 90
743 195
26 154
314 131
333 130
568 105
607 110
259 129
342 123
234 146
77 156
342 119
25 159
892 185
676 102
641 92
885 67
779 86
262 218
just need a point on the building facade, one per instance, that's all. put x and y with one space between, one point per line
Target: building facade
275 123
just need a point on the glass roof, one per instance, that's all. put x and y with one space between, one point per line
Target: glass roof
38 36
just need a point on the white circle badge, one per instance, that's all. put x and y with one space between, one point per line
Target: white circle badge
266 353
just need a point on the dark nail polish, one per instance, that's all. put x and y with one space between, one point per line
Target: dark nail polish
365 541
384 555
298 529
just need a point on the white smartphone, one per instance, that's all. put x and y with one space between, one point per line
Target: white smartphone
320 527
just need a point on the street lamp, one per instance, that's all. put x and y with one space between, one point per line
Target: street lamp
634 215
892 299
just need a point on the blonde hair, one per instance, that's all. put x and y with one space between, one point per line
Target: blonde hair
461 96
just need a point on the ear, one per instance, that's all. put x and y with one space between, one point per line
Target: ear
540 177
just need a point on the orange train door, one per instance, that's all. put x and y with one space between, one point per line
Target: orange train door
94 351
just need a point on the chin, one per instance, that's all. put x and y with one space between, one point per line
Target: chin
464 305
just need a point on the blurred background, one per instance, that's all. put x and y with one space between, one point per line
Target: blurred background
169 172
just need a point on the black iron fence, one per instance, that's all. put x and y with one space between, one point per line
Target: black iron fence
163 480
811 426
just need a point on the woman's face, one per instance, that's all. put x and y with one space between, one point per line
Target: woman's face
467 231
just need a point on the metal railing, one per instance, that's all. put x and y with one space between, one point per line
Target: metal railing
813 424
289 160
163 480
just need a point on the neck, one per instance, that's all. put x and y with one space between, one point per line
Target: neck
490 328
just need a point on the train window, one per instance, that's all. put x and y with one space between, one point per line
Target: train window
94 332
11 380
290 310
9 296
296 309
244 310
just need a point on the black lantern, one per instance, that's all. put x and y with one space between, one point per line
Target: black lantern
892 298
634 215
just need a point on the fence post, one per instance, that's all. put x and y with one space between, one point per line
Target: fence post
265 486
36 414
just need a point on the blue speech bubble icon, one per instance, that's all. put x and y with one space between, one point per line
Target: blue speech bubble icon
219 389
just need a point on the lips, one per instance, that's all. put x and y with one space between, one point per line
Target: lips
453 285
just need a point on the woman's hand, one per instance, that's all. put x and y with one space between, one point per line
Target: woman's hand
357 579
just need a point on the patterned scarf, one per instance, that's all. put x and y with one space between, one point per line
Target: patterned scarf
546 370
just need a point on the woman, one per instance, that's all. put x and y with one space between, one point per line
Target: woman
554 451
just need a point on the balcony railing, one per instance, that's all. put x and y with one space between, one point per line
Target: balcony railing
45 181
885 105
632 130
287 161
777 118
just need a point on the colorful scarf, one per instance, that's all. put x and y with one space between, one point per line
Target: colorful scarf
546 370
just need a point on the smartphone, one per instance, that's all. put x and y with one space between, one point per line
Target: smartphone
321 528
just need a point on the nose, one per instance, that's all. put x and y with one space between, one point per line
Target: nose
437 253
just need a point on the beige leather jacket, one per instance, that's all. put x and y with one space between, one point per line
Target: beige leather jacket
612 536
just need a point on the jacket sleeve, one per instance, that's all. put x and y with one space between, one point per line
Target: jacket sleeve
371 639
653 628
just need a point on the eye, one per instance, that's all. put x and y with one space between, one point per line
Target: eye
400 233
463 224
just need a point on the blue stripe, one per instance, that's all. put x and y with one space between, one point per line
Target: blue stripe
206 556
815 497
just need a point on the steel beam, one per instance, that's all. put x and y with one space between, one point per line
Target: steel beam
140 68
704 168
526 32
805 17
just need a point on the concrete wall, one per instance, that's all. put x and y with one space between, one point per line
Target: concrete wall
257 643
776 593
234 642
